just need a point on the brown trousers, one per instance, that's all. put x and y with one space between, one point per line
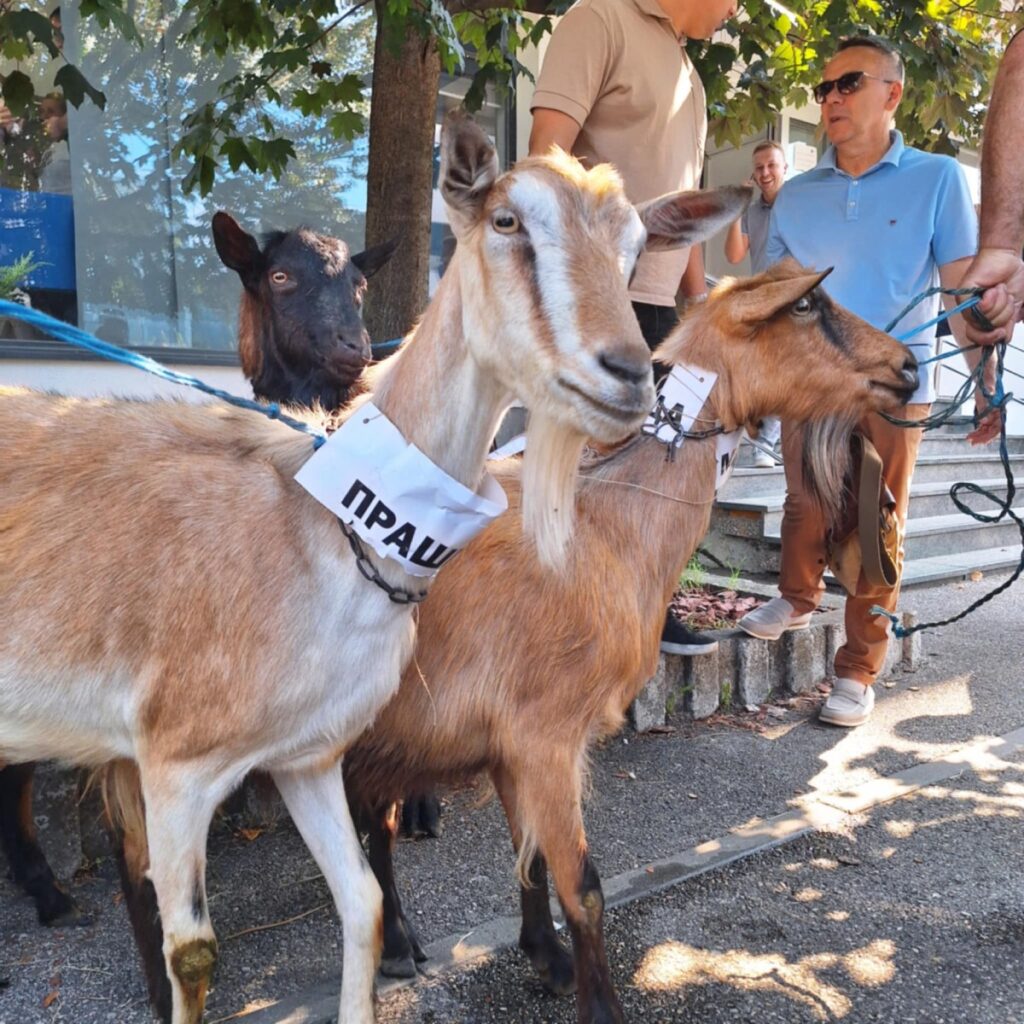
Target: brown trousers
803 543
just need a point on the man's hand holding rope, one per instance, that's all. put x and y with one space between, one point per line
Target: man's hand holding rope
1001 273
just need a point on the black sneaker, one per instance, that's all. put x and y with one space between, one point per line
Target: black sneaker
679 639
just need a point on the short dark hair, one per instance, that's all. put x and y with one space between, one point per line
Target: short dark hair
875 43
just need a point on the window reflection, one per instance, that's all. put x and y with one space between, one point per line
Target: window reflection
97 198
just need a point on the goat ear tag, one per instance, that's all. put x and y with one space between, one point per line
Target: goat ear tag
683 392
393 497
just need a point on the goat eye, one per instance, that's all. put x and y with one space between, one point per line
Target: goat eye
279 277
802 306
505 222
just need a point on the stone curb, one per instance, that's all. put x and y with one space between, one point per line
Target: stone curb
746 671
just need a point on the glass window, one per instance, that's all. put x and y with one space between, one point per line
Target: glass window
810 134
495 117
96 197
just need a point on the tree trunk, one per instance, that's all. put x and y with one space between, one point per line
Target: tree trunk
399 180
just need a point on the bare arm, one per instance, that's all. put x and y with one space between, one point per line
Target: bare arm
952 275
552 128
998 266
1002 185
693 283
737 244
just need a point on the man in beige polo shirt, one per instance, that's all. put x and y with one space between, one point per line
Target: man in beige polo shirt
617 87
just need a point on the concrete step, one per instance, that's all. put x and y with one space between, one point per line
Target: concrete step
940 568
942 535
735 515
968 464
952 443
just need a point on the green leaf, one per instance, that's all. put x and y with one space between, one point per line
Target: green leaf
236 152
18 92
25 23
76 87
346 124
110 12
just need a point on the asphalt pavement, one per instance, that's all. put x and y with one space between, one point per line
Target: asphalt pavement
906 902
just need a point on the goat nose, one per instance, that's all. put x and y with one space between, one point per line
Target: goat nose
632 371
357 344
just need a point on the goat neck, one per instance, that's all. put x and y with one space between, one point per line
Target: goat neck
434 369
640 493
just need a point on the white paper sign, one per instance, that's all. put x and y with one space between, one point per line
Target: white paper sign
393 497
513 447
684 392
725 450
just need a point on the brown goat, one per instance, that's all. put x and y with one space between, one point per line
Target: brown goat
181 603
522 671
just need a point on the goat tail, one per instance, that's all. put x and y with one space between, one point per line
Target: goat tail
121 790
549 486
826 465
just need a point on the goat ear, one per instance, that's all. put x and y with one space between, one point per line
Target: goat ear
685 218
369 261
469 167
762 302
236 248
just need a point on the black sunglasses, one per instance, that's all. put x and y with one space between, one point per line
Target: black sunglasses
846 84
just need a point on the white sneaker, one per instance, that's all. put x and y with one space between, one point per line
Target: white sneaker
762 460
850 703
773 619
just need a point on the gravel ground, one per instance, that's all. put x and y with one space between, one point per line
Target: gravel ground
915 913
689 786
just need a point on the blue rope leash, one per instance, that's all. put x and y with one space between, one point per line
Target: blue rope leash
385 348
996 398
80 339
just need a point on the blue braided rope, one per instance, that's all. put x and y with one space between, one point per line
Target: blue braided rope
996 398
385 347
80 339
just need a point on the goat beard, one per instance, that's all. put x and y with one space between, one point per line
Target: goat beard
549 486
827 467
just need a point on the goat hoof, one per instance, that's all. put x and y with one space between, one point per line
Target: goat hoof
56 909
71 918
398 967
415 949
554 967
421 816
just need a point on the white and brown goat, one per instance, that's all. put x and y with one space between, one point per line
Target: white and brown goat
171 597
301 342
518 671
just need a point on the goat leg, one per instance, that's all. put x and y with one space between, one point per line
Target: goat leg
544 809
28 864
596 1001
537 937
421 816
402 950
316 800
140 902
180 799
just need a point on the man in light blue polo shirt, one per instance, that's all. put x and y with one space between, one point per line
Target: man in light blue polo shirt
892 221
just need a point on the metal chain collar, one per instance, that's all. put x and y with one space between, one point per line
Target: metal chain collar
369 571
662 416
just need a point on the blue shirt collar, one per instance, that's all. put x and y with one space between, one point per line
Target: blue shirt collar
892 156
